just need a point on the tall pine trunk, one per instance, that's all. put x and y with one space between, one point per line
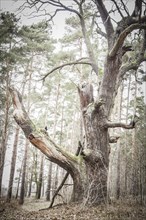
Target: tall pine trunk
49 185
19 179
48 191
119 147
40 180
30 180
4 133
126 137
13 163
22 188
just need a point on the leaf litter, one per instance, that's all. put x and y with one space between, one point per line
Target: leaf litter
31 211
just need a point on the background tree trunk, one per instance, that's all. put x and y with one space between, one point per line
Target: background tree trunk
4 132
30 181
13 163
19 179
22 189
48 191
119 147
14 153
40 179
126 136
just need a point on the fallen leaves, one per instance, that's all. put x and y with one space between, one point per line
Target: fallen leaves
117 211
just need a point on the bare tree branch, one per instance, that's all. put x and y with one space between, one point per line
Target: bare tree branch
125 8
60 6
63 65
119 10
119 125
76 2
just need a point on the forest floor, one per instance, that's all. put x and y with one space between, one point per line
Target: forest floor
30 211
